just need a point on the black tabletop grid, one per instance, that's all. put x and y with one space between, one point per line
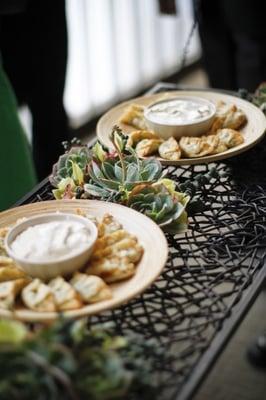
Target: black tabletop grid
210 269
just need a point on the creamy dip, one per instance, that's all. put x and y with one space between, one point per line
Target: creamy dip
51 240
178 111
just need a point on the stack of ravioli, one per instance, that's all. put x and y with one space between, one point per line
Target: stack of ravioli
223 135
114 258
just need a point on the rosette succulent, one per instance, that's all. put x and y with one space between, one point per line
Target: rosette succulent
113 176
120 176
162 203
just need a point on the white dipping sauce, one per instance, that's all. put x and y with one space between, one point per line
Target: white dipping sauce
178 111
51 240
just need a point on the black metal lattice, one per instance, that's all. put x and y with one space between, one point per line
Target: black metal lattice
209 268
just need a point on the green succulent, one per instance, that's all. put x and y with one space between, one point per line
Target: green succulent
162 203
78 156
71 361
115 179
258 98
113 176
120 176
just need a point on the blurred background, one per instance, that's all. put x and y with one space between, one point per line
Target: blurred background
119 48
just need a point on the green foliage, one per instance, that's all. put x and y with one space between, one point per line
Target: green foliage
120 176
79 156
70 361
159 204
258 98
115 178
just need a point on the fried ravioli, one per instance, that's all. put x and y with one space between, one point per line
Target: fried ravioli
108 225
148 147
112 269
38 297
91 288
66 297
136 136
195 147
9 290
134 116
170 150
230 137
228 116
8 270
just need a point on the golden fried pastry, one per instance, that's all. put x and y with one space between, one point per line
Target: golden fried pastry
227 116
6 261
127 247
213 141
147 147
134 116
9 270
195 147
10 273
170 150
222 108
112 269
217 124
91 288
38 297
3 233
230 137
235 119
66 298
108 225
137 136
84 214
9 290
111 238
115 253
108 250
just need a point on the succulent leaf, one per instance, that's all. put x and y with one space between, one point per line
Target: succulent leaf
64 167
120 176
99 152
77 173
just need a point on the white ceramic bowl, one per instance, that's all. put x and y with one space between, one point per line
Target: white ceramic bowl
58 266
189 128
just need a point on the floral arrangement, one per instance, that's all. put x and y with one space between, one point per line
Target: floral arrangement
120 176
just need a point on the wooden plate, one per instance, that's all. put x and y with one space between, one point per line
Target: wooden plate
253 131
150 236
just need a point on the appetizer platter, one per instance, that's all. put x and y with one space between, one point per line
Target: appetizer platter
205 135
122 261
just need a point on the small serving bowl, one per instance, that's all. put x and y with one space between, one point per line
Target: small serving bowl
58 266
194 128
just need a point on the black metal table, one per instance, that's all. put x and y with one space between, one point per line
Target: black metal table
211 278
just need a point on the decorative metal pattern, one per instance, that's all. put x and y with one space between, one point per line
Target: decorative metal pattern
208 269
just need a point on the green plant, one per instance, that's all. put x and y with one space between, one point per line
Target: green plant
78 155
68 360
120 176
258 98
113 176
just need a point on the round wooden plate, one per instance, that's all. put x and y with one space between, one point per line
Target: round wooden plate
150 236
253 131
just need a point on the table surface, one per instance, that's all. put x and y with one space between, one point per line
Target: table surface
212 276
